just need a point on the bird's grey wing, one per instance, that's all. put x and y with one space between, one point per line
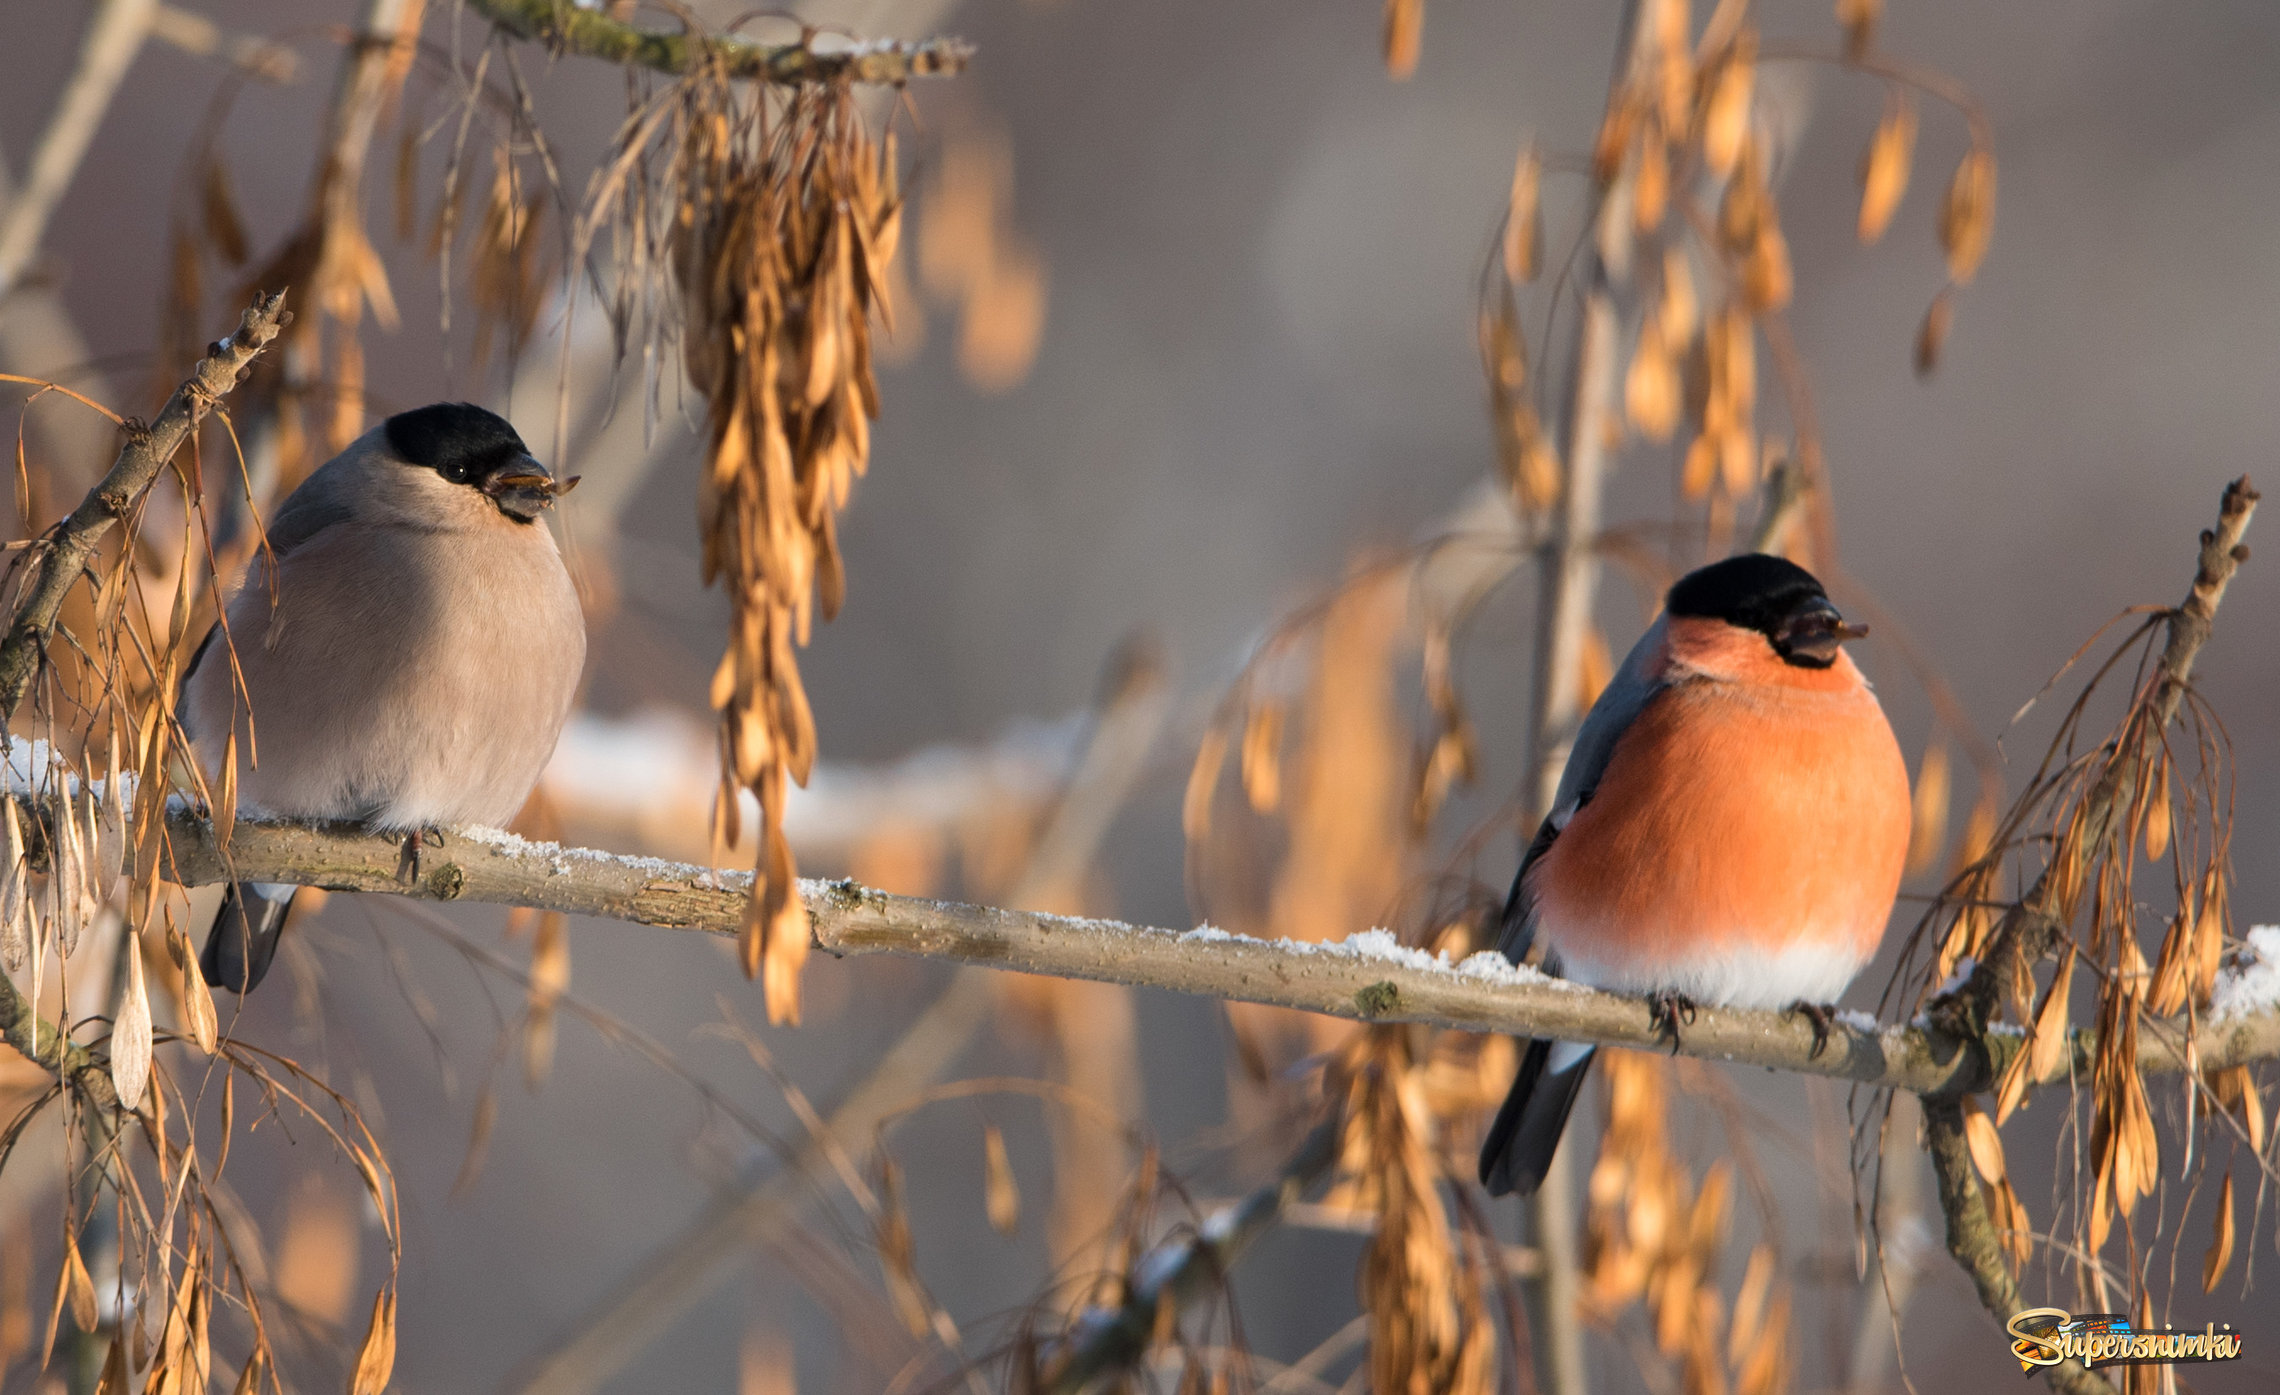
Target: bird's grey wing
318 503
182 692
1627 694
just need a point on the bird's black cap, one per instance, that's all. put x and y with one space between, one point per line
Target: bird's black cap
1771 595
458 440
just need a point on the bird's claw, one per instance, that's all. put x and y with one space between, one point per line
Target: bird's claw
1667 1010
408 855
1820 1015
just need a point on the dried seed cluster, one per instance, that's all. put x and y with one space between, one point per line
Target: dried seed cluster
786 223
1424 1289
1651 1233
2104 805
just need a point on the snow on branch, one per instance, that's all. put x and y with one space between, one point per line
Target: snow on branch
1370 977
594 34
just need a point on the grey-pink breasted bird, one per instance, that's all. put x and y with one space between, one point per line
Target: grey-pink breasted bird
410 644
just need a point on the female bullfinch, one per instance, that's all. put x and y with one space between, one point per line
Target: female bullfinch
1730 828
407 647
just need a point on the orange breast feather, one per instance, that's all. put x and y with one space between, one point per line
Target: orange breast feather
1753 817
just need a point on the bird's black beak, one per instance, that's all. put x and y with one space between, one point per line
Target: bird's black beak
1811 635
524 489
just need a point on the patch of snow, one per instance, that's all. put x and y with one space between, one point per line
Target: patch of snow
1963 971
1856 1020
2250 980
1486 966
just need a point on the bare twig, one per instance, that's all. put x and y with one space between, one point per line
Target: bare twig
2030 928
593 34
65 553
1111 1340
114 35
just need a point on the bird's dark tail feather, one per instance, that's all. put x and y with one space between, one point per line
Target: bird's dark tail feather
244 938
1521 1142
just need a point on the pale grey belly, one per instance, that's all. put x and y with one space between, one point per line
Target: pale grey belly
404 701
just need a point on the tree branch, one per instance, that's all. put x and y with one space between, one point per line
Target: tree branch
1180 1270
593 34
40 1042
65 554
1972 1238
1370 981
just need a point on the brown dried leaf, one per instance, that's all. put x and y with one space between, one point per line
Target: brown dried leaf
249 1380
77 1283
2015 1225
1931 336
1859 19
1737 460
1726 121
1523 218
1614 137
1650 389
1928 830
1203 781
1262 755
1768 281
1001 1197
1884 169
2237 1094
1650 181
376 1360
1540 474
2168 991
1700 467
131 1035
2219 1256
1679 311
549 976
1404 35
1967 217
1764 1367
2209 932
114 1378
2157 815
226 797
1749 1303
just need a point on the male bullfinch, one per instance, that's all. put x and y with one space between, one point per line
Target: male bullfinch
1731 828
409 644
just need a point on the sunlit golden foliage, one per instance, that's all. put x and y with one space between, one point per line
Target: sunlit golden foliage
1430 1331
971 258
789 219
2106 802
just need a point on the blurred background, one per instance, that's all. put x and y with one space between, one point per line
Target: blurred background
1189 332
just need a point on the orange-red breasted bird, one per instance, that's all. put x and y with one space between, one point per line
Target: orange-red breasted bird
1731 829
